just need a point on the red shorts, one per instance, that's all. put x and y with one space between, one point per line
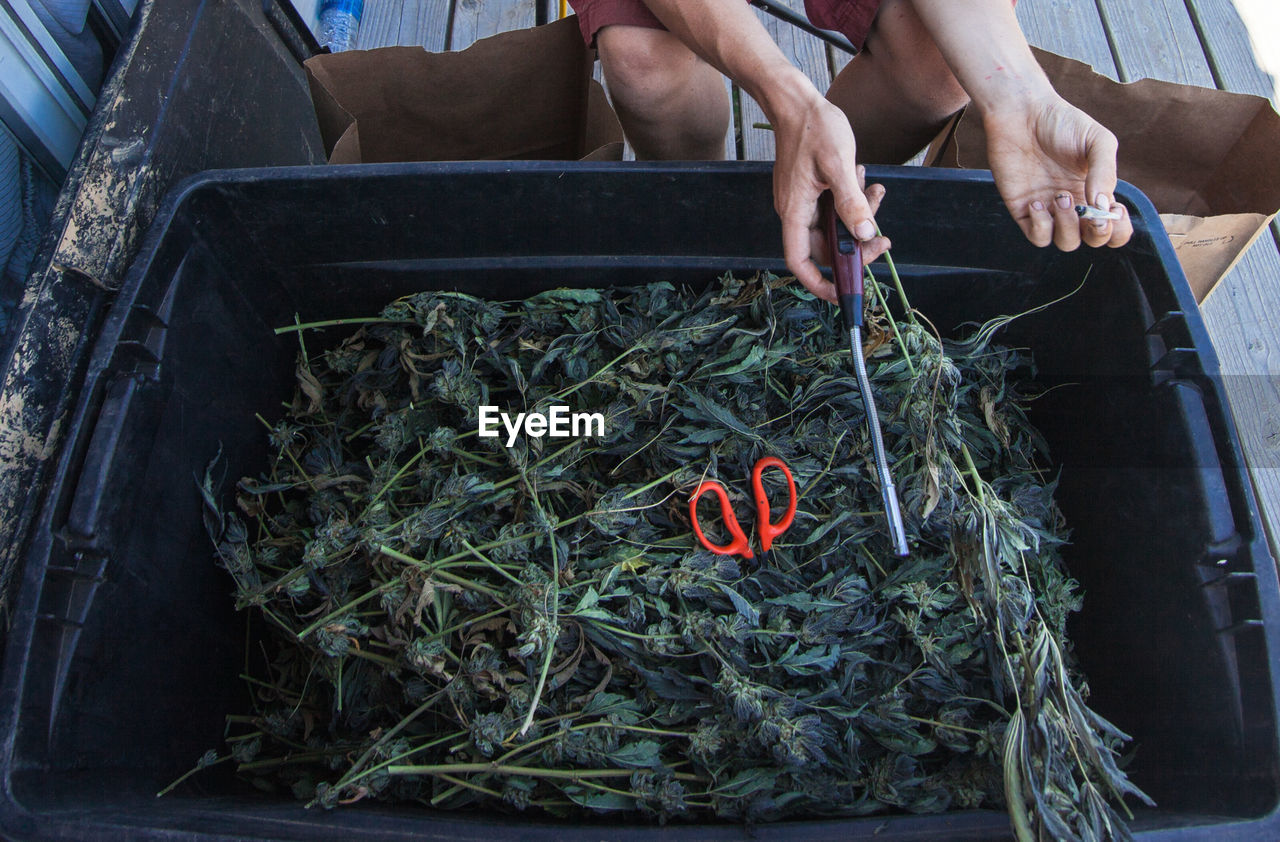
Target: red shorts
851 18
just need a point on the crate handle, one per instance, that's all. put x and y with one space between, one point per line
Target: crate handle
91 494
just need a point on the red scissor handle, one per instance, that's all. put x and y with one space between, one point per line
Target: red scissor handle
768 529
739 545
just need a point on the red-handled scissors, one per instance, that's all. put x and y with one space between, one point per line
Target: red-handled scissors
768 529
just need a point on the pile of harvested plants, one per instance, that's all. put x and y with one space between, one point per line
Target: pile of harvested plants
460 622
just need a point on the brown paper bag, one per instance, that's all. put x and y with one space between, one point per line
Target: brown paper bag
1209 160
524 95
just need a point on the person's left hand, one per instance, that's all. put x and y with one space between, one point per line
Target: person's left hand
1048 156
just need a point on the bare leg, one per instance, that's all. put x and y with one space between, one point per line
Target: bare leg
672 105
898 92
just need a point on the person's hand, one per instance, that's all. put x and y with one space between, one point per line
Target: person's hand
815 152
1048 156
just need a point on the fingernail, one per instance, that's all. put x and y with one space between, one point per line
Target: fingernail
865 230
1037 206
1064 200
1100 224
1102 202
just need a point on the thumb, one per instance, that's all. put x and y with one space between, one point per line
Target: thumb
854 210
1101 178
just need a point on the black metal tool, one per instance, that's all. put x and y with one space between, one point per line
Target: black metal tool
801 22
846 269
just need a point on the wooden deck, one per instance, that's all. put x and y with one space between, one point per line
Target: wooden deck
1200 42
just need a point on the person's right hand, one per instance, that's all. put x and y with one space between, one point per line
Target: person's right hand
1047 156
816 152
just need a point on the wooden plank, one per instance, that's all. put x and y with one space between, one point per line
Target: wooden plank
389 23
379 24
1071 28
1155 39
837 60
806 52
735 120
425 23
1229 48
476 19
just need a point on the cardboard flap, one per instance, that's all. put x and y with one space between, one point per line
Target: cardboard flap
525 94
334 120
1208 247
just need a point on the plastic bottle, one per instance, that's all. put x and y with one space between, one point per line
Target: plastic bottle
339 23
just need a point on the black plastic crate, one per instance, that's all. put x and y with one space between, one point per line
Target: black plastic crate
125 651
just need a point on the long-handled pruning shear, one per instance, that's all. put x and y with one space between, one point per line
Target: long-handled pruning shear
768 530
846 267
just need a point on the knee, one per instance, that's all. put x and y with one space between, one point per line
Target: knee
644 68
912 63
672 104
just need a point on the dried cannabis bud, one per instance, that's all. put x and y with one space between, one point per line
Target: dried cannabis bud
462 622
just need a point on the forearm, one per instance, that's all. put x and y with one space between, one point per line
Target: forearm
728 36
986 50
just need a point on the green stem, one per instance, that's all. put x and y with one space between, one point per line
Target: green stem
668 475
239 738
471 457
370 656
443 574
413 460
545 459
344 608
430 567
893 324
944 725
590 726
625 633
353 774
189 773
830 459
496 769
391 761
972 470
575 387
459 783
897 283
489 563
272 762
467 622
524 771
339 322
555 610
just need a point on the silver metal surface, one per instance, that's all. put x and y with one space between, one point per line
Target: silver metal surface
892 510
